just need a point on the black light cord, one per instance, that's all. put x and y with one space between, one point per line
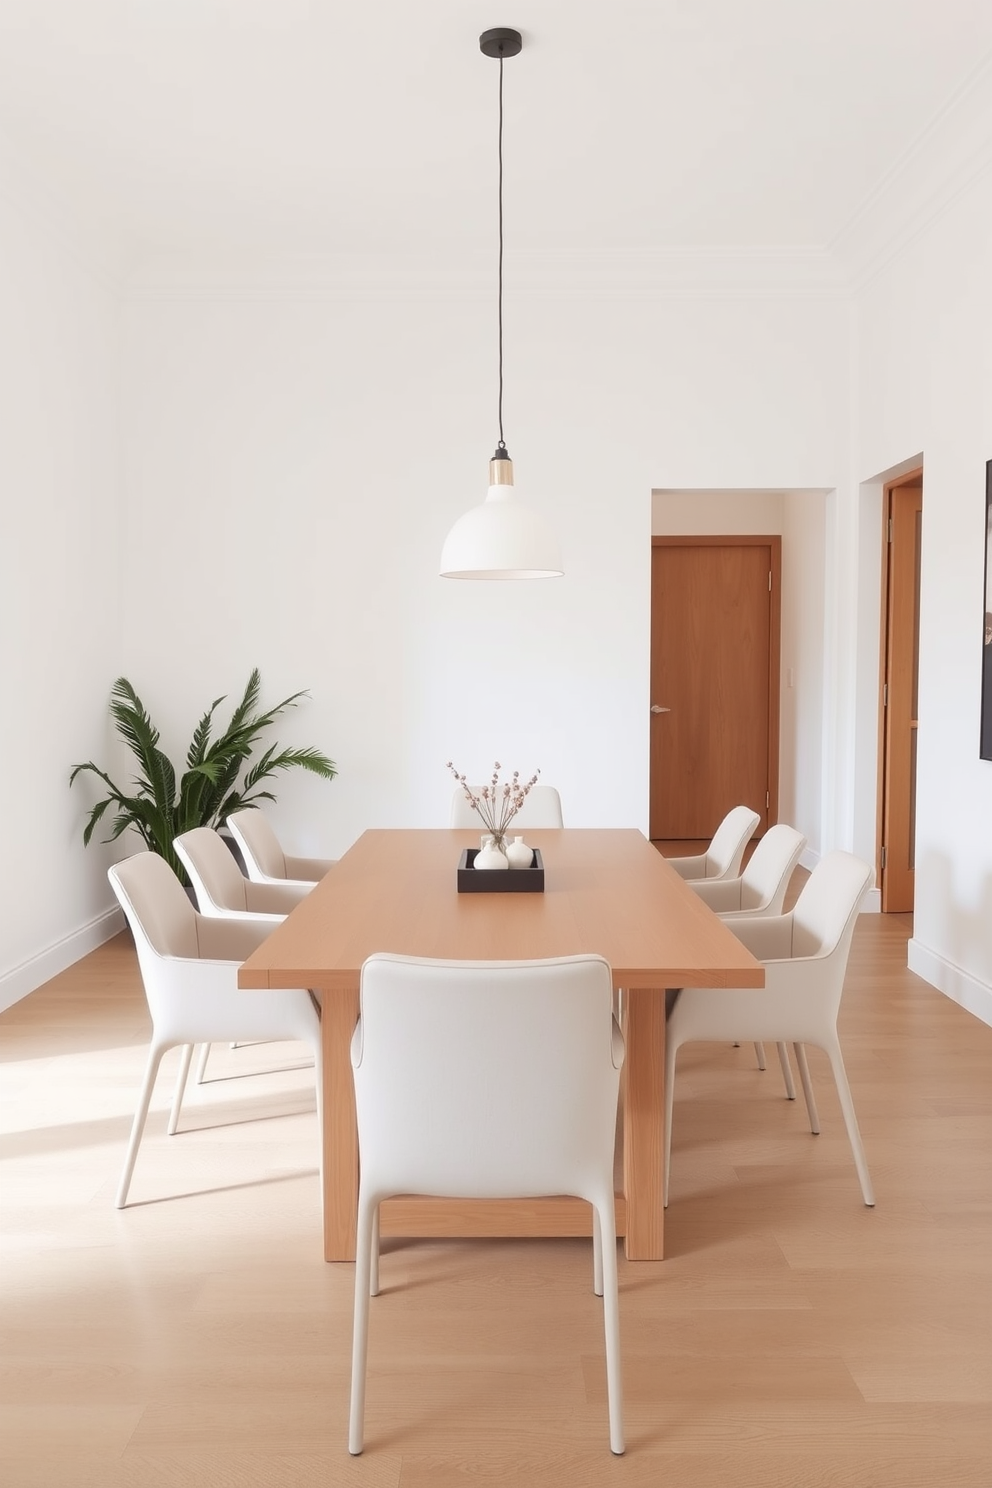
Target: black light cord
499 313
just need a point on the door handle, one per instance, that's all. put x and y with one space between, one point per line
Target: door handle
655 708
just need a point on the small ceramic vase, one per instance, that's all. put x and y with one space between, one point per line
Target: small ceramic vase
518 854
489 856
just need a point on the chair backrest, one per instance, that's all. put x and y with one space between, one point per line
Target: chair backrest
158 910
189 965
259 844
217 880
766 878
726 850
827 909
495 1079
542 808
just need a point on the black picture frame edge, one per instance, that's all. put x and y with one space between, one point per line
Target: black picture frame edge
985 737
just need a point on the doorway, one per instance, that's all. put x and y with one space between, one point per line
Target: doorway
715 644
902 530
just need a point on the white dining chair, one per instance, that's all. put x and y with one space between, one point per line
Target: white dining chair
541 808
486 1080
760 890
264 857
189 968
804 954
723 857
761 887
223 892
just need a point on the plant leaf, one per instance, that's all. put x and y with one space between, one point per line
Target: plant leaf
305 759
201 735
208 790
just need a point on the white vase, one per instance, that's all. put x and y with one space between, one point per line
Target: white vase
489 856
518 854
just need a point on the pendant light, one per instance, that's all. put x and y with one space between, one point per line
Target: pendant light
503 538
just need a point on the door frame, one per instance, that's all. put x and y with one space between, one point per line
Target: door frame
772 541
907 478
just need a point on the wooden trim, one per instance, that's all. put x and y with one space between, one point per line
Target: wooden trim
732 540
883 647
911 478
775 677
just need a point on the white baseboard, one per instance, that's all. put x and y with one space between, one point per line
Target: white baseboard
956 984
48 963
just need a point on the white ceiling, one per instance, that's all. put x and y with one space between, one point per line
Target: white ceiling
368 130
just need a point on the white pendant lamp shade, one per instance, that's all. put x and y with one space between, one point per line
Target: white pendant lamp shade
504 538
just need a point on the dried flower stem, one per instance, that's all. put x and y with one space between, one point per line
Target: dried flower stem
497 805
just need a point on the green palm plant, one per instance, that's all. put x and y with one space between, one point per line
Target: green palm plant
210 787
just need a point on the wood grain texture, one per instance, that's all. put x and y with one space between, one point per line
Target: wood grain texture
607 892
905 507
715 653
644 1122
489 1218
791 1338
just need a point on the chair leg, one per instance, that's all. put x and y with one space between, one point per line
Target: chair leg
181 1078
851 1122
597 1254
783 1059
138 1125
759 1054
374 1263
814 1119
201 1063
605 1224
360 1339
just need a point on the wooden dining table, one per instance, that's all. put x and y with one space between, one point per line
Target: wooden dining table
607 891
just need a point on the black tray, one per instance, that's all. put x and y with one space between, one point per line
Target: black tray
499 880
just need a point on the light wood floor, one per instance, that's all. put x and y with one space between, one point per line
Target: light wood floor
792 1339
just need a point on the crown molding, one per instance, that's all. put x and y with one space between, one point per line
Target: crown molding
949 156
692 272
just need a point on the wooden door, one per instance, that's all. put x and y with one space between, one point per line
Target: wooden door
903 516
714 682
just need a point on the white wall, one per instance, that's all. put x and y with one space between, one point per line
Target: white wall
926 384
292 461
803 632
293 464
60 634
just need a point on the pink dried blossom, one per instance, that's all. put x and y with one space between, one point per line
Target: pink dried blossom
496 807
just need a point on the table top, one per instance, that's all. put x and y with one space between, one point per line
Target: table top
607 891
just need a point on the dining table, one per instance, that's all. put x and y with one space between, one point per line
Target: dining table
607 891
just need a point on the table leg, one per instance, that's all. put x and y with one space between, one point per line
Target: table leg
643 1123
340 1135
